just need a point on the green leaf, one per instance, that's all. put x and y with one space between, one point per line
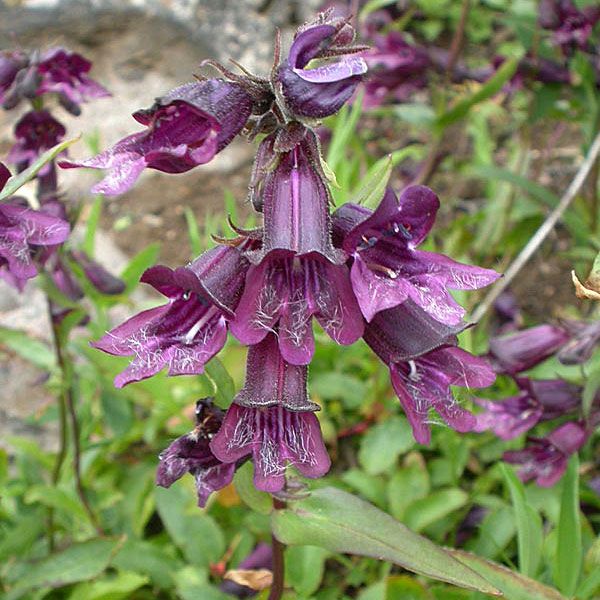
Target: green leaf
490 88
58 498
34 351
192 584
304 568
590 389
513 585
89 239
223 382
409 484
18 181
383 443
137 265
341 522
569 551
375 182
373 5
261 502
422 513
589 586
529 525
193 231
79 562
345 125
114 587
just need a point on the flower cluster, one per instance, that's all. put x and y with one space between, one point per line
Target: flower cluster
356 272
30 239
540 400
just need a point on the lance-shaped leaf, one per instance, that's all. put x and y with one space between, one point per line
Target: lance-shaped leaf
17 181
341 522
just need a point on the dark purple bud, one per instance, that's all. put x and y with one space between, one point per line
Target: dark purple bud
65 280
10 65
4 175
185 128
388 269
190 329
521 351
545 459
572 27
508 313
98 276
583 342
285 293
274 437
36 132
191 453
320 91
20 229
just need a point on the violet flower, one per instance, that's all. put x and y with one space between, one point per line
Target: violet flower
185 128
521 351
190 329
538 400
191 453
424 362
273 420
388 269
321 90
545 459
36 132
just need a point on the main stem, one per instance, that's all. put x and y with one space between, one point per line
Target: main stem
278 560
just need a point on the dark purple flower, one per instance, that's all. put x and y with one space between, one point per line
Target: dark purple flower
191 453
285 293
545 459
388 269
508 313
36 132
538 400
23 231
10 65
66 73
395 68
321 90
521 351
572 27
424 362
190 329
185 128
97 275
584 340
273 420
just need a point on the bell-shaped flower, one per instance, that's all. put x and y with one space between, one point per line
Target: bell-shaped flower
321 89
285 292
545 459
191 453
538 400
184 129
190 329
24 231
424 362
521 351
388 268
35 132
66 73
272 420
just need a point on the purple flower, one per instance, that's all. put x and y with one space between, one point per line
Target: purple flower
191 453
584 339
66 73
538 400
424 363
22 232
521 351
273 420
388 269
396 67
36 132
321 90
11 63
185 128
97 275
190 329
572 27
545 459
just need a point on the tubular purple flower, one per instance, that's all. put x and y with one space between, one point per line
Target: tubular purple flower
185 128
521 351
584 340
190 329
285 293
191 453
320 91
35 132
388 269
545 459
538 400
